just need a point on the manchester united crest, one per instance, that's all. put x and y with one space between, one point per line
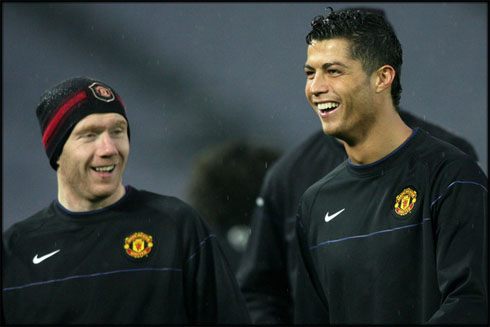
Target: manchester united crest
405 201
138 245
102 92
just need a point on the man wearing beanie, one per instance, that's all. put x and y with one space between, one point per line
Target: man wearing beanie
103 252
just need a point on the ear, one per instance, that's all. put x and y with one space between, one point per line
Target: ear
384 77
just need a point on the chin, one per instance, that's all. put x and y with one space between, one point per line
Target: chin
335 132
104 192
329 130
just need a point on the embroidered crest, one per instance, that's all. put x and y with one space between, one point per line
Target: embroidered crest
405 201
102 92
138 245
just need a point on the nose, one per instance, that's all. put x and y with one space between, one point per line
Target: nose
106 146
318 85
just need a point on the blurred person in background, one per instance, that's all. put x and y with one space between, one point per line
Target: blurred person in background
106 253
268 269
225 184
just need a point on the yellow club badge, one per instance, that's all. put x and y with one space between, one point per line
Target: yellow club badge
405 201
138 245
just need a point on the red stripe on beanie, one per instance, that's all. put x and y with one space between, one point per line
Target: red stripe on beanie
122 103
61 116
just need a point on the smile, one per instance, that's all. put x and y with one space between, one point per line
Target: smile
104 169
327 106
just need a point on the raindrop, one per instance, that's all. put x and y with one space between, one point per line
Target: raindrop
238 237
259 202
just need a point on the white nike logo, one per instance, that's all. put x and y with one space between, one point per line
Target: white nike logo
37 260
328 218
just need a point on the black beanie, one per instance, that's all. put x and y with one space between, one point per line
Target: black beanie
65 104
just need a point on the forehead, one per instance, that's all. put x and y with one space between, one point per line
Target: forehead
100 120
330 50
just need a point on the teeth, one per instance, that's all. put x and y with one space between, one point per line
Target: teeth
105 168
327 105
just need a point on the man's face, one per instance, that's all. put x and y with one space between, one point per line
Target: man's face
93 159
339 90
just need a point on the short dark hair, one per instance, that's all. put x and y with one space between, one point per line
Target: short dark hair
373 40
226 180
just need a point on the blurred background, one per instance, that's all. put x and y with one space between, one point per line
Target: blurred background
197 74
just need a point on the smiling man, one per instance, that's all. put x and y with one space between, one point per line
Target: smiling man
397 233
106 253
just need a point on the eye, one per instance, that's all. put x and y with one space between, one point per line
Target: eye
118 131
87 137
333 71
309 73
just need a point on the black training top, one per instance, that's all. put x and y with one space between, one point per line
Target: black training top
399 241
267 266
148 259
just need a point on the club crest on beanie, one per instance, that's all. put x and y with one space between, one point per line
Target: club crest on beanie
64 105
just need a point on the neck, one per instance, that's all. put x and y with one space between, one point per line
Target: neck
385 135
79 203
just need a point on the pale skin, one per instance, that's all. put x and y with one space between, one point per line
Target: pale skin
365 120
92 163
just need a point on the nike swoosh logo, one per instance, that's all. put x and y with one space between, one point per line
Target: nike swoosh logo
37 260
328 218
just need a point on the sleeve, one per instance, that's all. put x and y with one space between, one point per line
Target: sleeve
212 295
460 209
263 275
310 303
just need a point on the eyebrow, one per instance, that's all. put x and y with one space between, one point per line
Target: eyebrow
96 127
327 65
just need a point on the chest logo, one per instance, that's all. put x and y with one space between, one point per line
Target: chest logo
138 245
405 201
37 260
330 217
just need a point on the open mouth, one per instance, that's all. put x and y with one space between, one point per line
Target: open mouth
326 107
104 169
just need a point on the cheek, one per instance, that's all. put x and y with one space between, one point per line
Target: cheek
307 92
68 172
68 166
72 160
124 149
